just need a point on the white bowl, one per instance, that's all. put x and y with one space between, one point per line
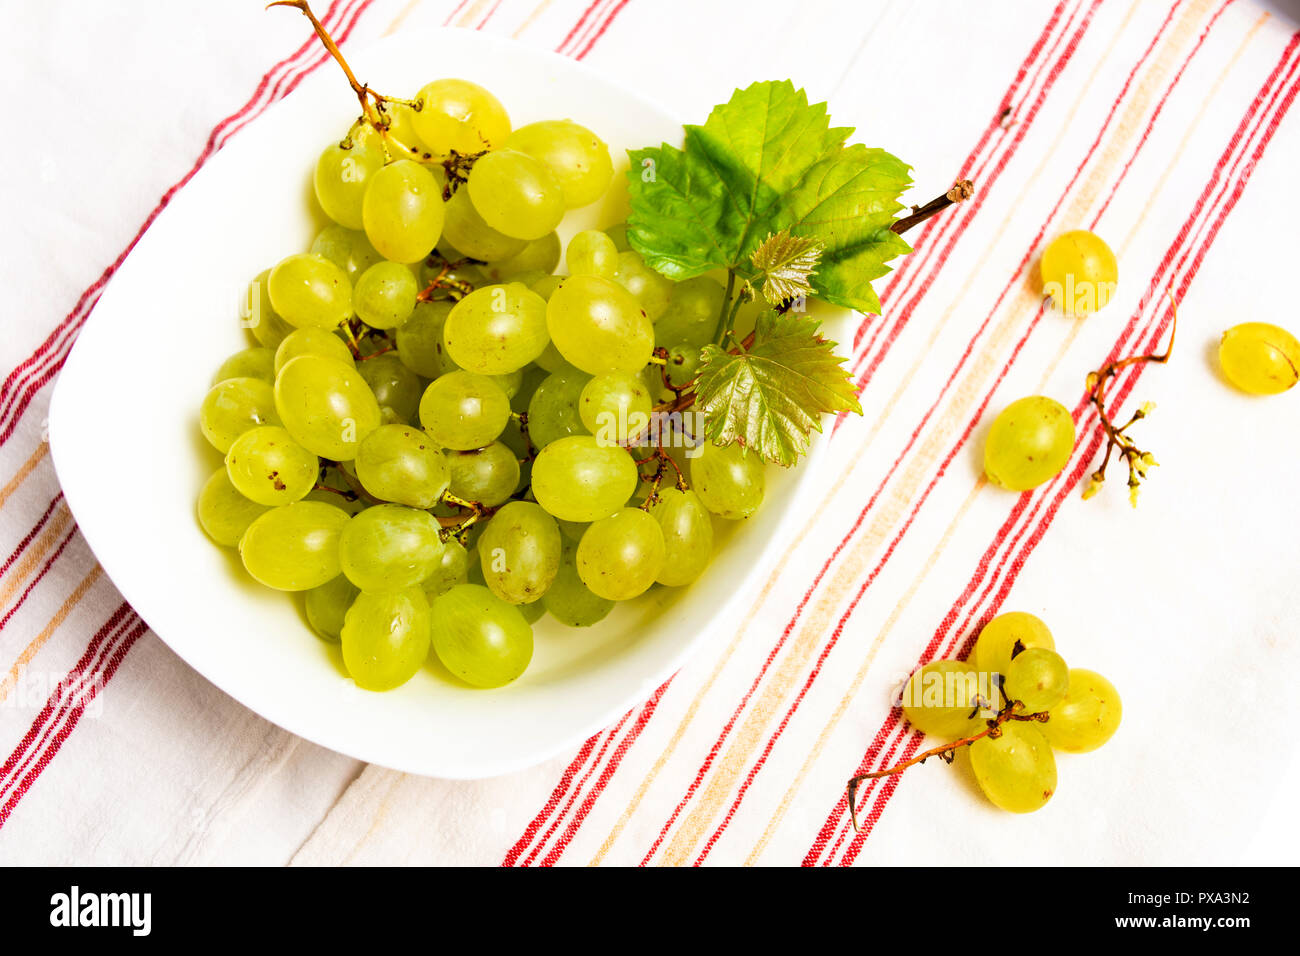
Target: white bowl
125 441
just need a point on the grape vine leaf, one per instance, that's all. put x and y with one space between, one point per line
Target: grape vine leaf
770 397
784 263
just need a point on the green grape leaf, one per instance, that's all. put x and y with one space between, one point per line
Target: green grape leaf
772 396
785 262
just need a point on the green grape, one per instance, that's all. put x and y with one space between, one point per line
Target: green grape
311 342
1079 272
309 290
530 379
683 364
618 232
592 253
519 552
327 605
248 363
386 637
224 513
1029 443
463 410
544 287
401 132
1038 678
342 176
651 291
688 536
620 556
384 296
570 601
551 360
260 317
472 236
614 407
509 383
579 479
598 326
1016 770
232 407
997 642
1087 717
941 699
401 464
515 194
535 260
692 315
497 329
390 546
453 569
394 385
575 155
403 211
419 339
487 475
267 466
1259 358
531 613
459 115
327 407
729 481
294 547
479 637
349 249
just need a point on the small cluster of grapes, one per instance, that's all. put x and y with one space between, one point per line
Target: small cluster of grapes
1012 702
437 439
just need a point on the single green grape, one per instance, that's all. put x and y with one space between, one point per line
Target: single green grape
941 699
997 642
1030 442
515 194
619 557
309 290
453 569
294 547
519 552
479 637
232 407
328 604
579 479
575 155
497 329
683 365
419 339
598 326
544 287
310 341
459 115
466 229
1016 770
401 464
1087 716
266 465
1079 272
394 385
343 173
728 480
535 260
553 409
592 253
688 536
257 362
260 317
386 637
692 314
570 601
349 249
384 296
224 513
651 291
402 211
487 475
615 406
390 546
1259 358
327 406
1037 677
464 410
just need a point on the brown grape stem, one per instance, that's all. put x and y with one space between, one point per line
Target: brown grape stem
961 190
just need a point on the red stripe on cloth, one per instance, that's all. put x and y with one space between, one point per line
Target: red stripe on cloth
557 794
488 16
1063 486
31 585
30 536
34 372
455 10
568 37
613 14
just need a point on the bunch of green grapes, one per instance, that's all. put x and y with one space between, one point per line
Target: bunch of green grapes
434 438
1013 702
